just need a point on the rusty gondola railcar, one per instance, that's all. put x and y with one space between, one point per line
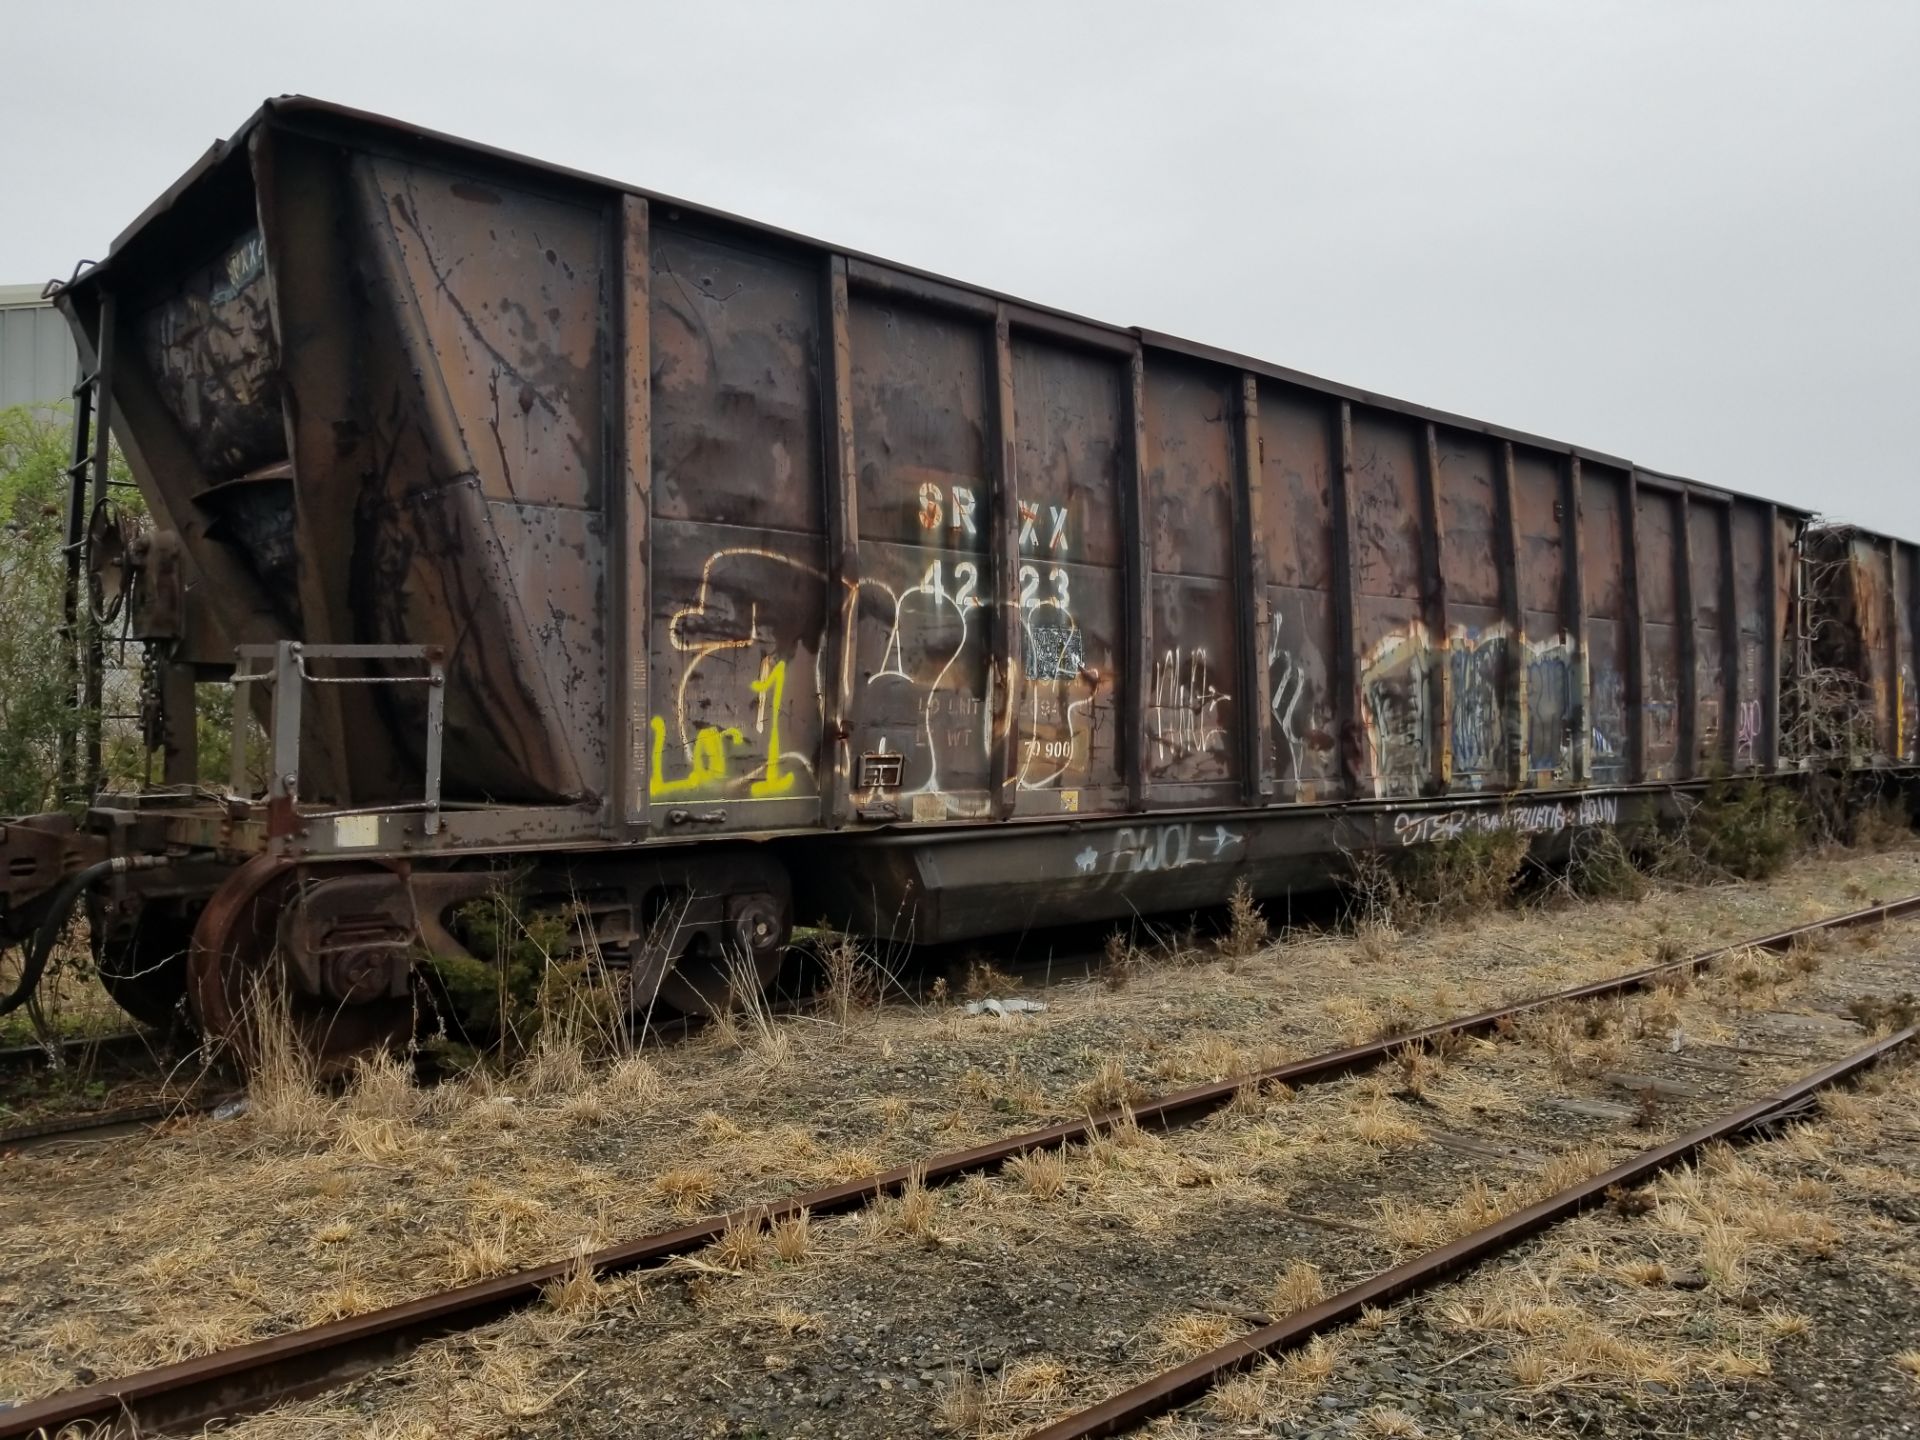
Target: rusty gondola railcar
708 574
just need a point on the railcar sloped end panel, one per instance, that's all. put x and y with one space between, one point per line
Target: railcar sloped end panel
379 403
1296 531
497 300
739 566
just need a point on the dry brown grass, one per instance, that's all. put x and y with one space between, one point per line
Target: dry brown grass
689 1190
914 1213
284 1098
1122 961
479 1256
792 1322
345 1298
742 1246
984 979
1376 941
1643 1272
579 1291
1208 1056
1532 1368
1195 1332
632 1082
1373 1125
1385 1420
1784 1324
1241 1400
1042 1172
1110 1088
1299 1286
851 982
1275 1391
1037 1379
560 1169
793 1238
1409 1226
961 1404
557 1065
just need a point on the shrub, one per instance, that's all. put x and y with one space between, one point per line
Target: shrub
525 976
1601 867
1746 829
1472 871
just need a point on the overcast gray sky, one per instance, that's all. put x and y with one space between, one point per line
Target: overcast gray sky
1684 233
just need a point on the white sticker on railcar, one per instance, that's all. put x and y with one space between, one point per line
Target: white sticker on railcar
353 832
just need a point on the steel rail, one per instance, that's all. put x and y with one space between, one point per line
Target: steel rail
96 1125
1183 1383
187 1394
70 1051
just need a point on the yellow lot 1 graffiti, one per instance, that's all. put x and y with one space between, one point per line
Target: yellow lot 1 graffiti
707 759
707 754
770 687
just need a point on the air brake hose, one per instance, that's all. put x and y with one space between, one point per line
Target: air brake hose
40 947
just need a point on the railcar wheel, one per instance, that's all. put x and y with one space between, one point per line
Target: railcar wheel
705 981
235 969
711 937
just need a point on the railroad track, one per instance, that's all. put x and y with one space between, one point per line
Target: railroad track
135 1049
103 1125
127 1057
188 1394
77 1052
1181 1384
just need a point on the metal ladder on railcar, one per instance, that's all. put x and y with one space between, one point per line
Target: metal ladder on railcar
90 482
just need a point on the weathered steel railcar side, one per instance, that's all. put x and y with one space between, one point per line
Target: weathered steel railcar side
1861 638
704 532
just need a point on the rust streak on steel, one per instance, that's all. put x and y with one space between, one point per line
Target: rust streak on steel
189 1393
1175 1387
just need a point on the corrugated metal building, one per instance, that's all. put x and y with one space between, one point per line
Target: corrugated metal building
37 361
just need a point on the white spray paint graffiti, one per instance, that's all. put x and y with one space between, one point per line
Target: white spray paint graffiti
1148 849
1550 702
1421 827
1746 732
1054 656
712 626
1289 681
963 599
1393 710
1184 718
1476 662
